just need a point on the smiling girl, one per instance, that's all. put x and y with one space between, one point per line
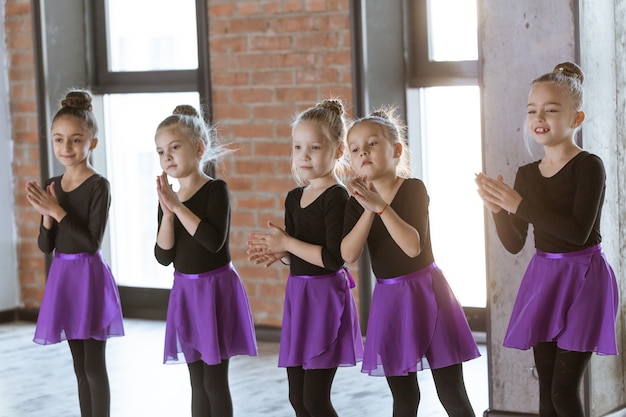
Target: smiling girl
81 302
567 303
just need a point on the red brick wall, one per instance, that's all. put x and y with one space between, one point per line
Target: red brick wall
23 108
269 60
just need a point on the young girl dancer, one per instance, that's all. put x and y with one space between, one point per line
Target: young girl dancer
320 329
208 316
81 303
567 303
415 320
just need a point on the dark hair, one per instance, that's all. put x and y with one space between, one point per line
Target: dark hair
192 125
395 132
329 115
570 77
77 103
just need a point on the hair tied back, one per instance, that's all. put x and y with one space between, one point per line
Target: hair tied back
332 105
77 99
185 110
381 114
571 70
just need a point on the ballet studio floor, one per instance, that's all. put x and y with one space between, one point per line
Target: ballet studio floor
38 381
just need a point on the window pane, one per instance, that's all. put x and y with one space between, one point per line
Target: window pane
448 155
147 35
453 31
132 168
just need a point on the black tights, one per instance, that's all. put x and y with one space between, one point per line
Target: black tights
560 372
309 391
450 390
210 394
94 395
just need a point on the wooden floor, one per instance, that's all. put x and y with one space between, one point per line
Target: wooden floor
38 381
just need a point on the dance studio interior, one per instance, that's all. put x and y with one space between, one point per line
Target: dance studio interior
457 71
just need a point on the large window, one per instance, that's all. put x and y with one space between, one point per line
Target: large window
148 58
132 166
166 39
443 108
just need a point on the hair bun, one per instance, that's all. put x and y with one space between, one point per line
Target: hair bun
380 113
333 104
569 69
77 99
185 110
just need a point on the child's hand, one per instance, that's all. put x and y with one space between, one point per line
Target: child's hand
266 259
272 242
276 239
167 197
366 194
497 195
259 251
45 202
41 200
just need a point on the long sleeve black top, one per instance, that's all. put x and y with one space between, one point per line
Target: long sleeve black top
388 259
208 248
564 209
82 229
319 223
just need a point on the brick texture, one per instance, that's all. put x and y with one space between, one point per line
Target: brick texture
24 132
269 60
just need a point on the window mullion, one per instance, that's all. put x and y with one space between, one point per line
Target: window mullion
146 82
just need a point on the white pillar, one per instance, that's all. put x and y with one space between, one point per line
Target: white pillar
602 55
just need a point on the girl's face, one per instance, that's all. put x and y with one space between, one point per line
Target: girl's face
72 142
371 153
551 118
313 154
179 156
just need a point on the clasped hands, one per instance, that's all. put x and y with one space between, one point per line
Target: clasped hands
267 247
366 194
497 195
45 202
167 197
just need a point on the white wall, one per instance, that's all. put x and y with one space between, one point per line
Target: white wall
9 294
602 52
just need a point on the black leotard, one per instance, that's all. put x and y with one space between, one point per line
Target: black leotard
208 248
82 229
319 223
388 260
564 209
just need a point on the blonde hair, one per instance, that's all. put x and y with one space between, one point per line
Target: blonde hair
570 77
329 115
188 121
395 132
77 103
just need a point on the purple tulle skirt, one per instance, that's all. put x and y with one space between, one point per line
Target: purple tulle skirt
80 301
569 298
208 318
415 323
320 327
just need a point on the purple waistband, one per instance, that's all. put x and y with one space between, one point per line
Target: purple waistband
208 274
587 251
73 256
343 271
413 275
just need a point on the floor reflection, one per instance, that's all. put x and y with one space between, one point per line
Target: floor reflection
38 381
